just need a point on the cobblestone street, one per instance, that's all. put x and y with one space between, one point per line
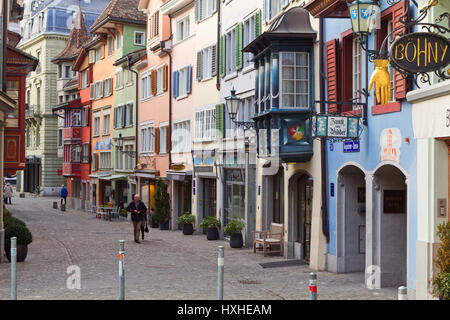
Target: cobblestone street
167 265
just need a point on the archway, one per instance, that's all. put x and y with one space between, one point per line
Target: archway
390 225
351 219
300 216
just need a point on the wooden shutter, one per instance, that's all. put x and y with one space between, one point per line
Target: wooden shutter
238 46
222 56
168 140
400 83
154 82
175 84
165 77
189 79
331 49
214 60
199 65
156 140
257 23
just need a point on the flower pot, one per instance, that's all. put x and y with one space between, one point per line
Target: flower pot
22 251
236 240
188 229
212 234
164 225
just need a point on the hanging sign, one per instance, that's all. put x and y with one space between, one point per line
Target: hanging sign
327 126
420 52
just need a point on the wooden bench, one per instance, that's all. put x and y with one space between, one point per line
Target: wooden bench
269 238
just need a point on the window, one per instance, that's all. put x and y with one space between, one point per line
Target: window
204 9
119 159
98 90
294 78
118 40
181 137
129 163
273 8
105 160
106 121
67 72
248 37
107 86
92 56
76 153
119 80
123 116
139 38
147 141
163 139
244 114
153 25
85 155
356 71
146 85
60 137
76 118
182 82
205 125
96 128
84 79
128 77
129 114
230 42
59 71
99 53
183 29
95 162
84 117
110 45
206 63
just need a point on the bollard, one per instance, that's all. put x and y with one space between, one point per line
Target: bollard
312 286
63 207
402 293
13 268
121 270
22 195
220 273
55 205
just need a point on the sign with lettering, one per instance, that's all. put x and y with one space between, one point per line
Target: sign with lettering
328 126
351 146
420 52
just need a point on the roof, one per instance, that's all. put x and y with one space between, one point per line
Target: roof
91 41
78 35
71 84
132 56
124 11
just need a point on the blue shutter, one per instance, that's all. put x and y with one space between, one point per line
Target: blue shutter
175 84
189 79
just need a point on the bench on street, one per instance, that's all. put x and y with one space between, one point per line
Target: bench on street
269 238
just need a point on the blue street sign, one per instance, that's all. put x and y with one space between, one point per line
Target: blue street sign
331 147
351 146
332 189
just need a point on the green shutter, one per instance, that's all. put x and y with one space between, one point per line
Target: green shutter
238 46
220 121
222 57
257 23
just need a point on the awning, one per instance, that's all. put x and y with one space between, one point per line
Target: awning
113 177
146 175
178 175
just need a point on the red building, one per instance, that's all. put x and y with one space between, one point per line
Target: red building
74 107
18 65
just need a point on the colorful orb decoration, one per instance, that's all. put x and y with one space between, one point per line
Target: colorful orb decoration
296 132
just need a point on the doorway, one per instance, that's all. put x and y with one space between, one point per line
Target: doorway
301 208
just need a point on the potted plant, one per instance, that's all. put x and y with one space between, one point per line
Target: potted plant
24 238
188 221
234 229
441 281
211 225
162 205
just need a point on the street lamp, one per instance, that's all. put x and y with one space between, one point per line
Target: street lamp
120 141
130 153
232 103
363 14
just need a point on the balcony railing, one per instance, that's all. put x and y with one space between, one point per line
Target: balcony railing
33 111
72 133
71 169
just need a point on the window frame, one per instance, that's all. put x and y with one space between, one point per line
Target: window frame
295 93
142 33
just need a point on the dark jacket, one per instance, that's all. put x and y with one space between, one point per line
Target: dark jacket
140 207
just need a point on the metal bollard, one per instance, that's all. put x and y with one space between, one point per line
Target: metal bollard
121 270
13 268
220 273
55 205
402 293
63 207
312 286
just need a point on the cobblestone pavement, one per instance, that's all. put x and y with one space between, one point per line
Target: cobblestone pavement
167 265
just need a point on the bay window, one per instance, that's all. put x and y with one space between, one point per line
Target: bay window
294 79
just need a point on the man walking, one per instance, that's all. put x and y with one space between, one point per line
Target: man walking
138 210
63 194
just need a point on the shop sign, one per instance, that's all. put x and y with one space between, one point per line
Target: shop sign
327 126
177 167
351 146
390 143
420 52
332 189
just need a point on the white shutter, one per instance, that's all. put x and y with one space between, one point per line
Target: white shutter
92 91
92 56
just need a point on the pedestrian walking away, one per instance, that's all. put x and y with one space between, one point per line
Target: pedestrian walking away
138 210
8 193
63 194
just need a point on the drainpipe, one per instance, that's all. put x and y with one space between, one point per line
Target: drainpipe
169 133
137 110
219 25
323 144
4 44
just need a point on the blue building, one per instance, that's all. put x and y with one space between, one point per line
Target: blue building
372 183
